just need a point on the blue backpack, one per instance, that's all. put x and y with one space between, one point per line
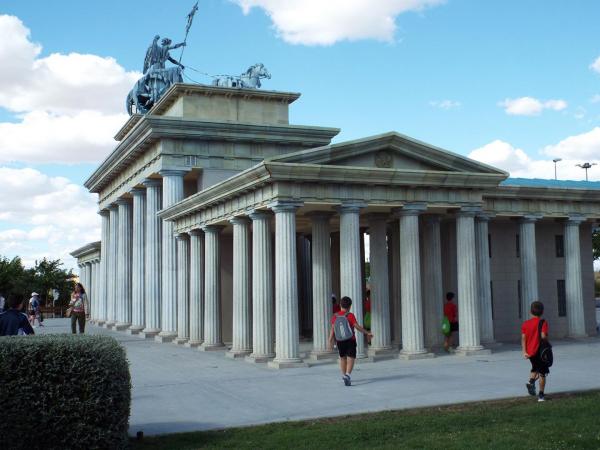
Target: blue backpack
341 328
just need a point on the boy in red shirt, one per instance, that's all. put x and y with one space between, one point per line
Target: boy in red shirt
530 343
451 312
343 324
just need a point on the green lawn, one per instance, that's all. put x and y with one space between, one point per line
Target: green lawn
563 421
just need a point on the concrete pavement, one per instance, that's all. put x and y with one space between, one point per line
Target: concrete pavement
178 389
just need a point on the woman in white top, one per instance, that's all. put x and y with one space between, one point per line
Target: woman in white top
79 308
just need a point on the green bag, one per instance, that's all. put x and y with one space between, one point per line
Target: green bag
445 326
367 320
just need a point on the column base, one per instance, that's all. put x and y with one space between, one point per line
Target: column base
135 329
164 337
109 325
472 351
320 355
121 326
148 334
99 323
205 347
180 341
287 364
235 354
259 359
381 354
192 344
415 355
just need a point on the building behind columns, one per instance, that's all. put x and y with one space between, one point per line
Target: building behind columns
226 228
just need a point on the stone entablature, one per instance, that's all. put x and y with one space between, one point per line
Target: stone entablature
88 253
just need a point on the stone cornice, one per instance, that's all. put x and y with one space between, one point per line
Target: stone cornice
543 193
86 249
150 128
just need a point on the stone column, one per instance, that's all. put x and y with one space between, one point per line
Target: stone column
113 251
335 267
172 193
103 283
212 289
468 303
242 323
413 342
196 289
304 265
396 290
483 278
350 264
124 265
433 295
95 285
138 313
262 288
153 258
573 283
287 337
529 275
97 288
321 284
380 286
183 288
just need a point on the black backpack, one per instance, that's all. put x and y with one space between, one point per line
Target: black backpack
545 349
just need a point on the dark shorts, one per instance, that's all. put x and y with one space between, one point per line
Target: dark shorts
31 312
347 348
537 365
453 327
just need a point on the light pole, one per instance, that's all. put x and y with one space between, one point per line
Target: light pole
555 160
586 166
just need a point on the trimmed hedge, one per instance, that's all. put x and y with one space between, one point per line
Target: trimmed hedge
63 392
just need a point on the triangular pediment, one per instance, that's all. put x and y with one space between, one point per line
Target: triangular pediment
389 151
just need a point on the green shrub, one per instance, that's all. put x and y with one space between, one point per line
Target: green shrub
63 392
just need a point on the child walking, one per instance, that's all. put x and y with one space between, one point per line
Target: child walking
530 343
343 324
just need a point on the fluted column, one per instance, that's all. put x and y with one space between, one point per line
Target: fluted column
153 258
212 289
113 252
138 313
350 264
262 288
466 263
396 290
335 265
573 282
183 288
287 336
321 284
433 300
413 342
529 275
304 283
103 282
172 191
483 278
95 286
124 265
242 324
380 285
196 288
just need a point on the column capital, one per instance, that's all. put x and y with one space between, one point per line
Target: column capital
576 219
241 220
485 216
196 232
350 206
113 206
150 182
320 215
137 191
172 172
103 212
257 214
182 236
212 228
122 201
529 218
410 209
285 205
468 210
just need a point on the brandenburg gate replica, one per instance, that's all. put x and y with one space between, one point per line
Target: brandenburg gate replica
226 228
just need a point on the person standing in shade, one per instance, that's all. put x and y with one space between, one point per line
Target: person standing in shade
451 312
13 322
79 309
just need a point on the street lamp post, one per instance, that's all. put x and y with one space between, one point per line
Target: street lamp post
586 166
555 160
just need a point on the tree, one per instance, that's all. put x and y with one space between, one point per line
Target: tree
13 276
596 243
47 274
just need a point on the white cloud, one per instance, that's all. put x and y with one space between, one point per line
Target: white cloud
572 150
595 66
445 104
318 22
49 216
529 106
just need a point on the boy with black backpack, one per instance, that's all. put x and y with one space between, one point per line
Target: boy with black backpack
536 348
343 324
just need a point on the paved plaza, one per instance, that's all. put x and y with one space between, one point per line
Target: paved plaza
177 389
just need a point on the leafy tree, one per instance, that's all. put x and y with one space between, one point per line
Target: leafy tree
12 276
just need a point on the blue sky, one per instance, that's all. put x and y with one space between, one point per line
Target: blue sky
508 82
